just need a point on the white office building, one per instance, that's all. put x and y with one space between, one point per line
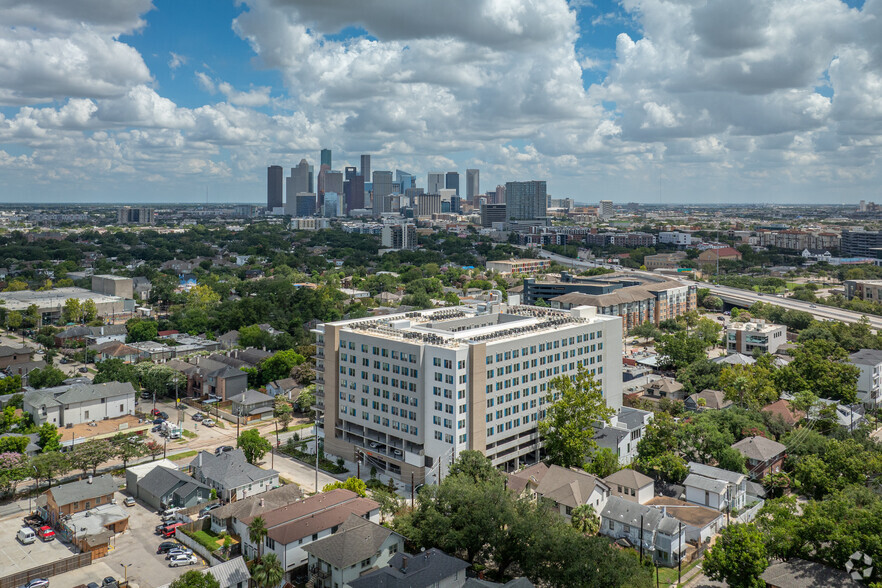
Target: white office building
675 238
407 392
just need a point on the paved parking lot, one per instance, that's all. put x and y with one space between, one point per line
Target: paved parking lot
15 557
137 546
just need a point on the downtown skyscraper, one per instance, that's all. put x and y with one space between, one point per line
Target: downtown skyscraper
526 200
473 184
275 182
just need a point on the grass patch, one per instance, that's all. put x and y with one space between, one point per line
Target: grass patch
188 434
668 576
183 455
290 428
324 464
209 539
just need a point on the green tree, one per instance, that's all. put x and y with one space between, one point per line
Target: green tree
201 297
49 465
822 367
708 331
568 427
47 377
89 310
476 466
283 413
603 463
678 350
14 319
279 366
703 374
127 448
195 579
646 331
13 444
585 520
253 445
13 469
257 532
141 330
49 438
115 370
71 312
268 572
353 484
749 386
738 557
91 454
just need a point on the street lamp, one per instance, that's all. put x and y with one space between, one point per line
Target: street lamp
126 568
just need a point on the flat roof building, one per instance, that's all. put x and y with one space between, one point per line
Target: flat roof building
50 303
520 266
409 391
755 334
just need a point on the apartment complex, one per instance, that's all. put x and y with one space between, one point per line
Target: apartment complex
755 334
863 290
407 392
520 266
860 243
664 260
50 303
869 383
799 240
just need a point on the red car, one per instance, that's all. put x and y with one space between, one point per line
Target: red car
46 533
169 531
155 412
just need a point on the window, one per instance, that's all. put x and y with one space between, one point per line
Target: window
626 528
612 525
270 543
122 407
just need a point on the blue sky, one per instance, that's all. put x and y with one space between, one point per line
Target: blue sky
639 100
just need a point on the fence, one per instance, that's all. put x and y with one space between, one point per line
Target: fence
750 514
47 570
192 543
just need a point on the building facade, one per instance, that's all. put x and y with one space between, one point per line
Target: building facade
473 184
526 200
756 334
275 187
407 392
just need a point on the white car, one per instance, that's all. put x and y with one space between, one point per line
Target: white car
183 560
179 551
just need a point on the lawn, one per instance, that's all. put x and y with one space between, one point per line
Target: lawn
210 540
668 576
290 428
183 455
188 434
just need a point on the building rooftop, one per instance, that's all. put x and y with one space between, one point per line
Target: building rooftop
83 490
425 569
755 325
685 512
759 448
866 357
628 477
357 539
799 573
462 325
54 298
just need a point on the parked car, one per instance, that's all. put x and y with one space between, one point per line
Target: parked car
198 417
46 533
167 546
129 501
26 536
169 531
163 415
155 412
397 452
172 510
84 370
37 583
183 551
169 518
109 581
158 421
156 429
93 585
208 509
223 449
208 422
183 560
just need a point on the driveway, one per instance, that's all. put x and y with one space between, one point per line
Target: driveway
15 557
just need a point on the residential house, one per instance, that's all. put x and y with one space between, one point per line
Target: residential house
358 546
107 333
292 527
632 524
92 530
72 335
229 339
24 368
623 432
231 475
32 448
80 403
286 387
164 488
734 358
664 388
134 473
631 485
799 573
700 523
75 497
206 376
141 287
719 254
229 574
253 405
429 569
715 487
154 351
849 417
565 489
228 517
869 384
707 400
764 456
116 350
252 355
782 409
13 355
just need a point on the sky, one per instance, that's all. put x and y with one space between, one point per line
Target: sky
656 101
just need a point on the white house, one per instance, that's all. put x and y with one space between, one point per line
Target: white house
623 432
700 523
358 546
231 475
80 403
715 488
662 536
869 383
631 485
292 527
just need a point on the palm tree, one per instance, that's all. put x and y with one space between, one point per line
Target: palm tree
585 520
256 533
268 572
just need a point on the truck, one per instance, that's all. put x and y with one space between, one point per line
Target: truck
46 533
171 430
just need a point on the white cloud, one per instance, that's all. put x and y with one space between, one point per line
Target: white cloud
175 61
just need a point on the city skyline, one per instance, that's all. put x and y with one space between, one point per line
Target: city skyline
651 101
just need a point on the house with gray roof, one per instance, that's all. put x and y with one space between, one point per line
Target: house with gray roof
80 403
231 475
286 387
631 485
707 400
427 569
715 487
800 573
31 449
229 339
12 355
564 489
661 535
764 456
623 432
229 574
164 488
75 497
229 516
253 405
356 547
869 383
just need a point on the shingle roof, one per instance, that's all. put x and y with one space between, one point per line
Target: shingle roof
160 481
314 522
356 540
628 477
7 351
715 473
83 490
72 393
629 513
567 487
230 573
759 448
708 484
517 481
664 385
428 568
866 357
693 515
782 409
735 359
229 469
250 397
250 507
633 418
714 399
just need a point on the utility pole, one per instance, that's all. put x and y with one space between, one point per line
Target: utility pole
641 538
680 555
316 451
412 501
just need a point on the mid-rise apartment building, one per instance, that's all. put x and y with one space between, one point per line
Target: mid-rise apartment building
863 290
869 383
408 392
520 266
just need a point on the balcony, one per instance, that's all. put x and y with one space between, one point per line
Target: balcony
317 572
